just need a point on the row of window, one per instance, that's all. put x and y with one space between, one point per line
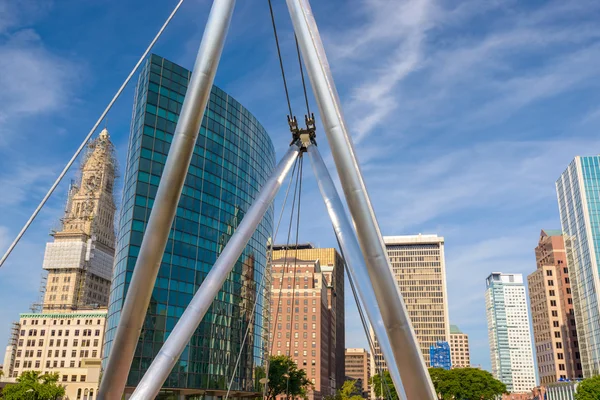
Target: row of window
34 332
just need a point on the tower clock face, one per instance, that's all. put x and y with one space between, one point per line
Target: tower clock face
92 183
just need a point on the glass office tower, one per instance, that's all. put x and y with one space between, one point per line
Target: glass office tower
578 190
232 159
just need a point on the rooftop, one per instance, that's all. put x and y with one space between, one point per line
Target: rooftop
454 329
409 239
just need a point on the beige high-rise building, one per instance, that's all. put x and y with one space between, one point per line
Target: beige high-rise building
69 344
79 261
420 271
332 268
554 330
459 348
358 368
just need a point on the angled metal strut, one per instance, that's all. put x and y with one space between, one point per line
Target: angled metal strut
354 260
165 204
415 377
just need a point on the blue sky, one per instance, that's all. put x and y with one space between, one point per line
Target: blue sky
463 114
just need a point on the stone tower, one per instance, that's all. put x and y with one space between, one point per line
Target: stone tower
80 259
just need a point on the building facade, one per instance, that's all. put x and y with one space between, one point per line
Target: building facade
332 267
69 344
578 191
459 348
511 351
358 368
551 302
302 323
419 268
232 159
79 260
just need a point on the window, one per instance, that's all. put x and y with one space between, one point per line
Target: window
64 378
567 280
548 273
554 313
555 324
556 334
43 332
560 356
73 378
77 331
558 345
83 378
552 293
553 303
73 353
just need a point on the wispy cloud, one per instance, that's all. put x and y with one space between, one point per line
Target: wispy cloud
417 60
35 81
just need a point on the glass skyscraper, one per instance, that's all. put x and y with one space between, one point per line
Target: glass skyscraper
511 351
232 159
578 190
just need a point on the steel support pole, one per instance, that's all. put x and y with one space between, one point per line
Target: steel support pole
354 260
415 377
165 204
171 350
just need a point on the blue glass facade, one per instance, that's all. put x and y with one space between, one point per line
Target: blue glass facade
578 190
232 159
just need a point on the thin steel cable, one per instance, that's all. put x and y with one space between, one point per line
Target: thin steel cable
265 389
287 95
89 135
302 75
262 281
362 318
285 259
300 169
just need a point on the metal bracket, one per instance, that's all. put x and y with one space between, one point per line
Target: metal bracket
307 135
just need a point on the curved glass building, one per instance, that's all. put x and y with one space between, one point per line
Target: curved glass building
233 158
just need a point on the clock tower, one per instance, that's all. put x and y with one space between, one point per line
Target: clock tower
80 258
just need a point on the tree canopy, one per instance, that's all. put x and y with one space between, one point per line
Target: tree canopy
466 384
455 384
349 391
280 368
588 389
31 385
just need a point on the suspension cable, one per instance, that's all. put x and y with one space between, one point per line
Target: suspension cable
289 233
300 169
285 260
302 75
262 281
285 87
364 321
89 135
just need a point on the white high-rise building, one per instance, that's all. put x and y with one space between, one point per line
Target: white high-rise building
511 350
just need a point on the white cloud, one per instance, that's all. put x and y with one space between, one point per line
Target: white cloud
420 67
34 80
23 182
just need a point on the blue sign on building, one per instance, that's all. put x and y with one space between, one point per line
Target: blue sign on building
439 355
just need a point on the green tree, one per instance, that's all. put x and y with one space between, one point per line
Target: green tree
465 384
588 389
350 391
385 386
286 378
31 385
